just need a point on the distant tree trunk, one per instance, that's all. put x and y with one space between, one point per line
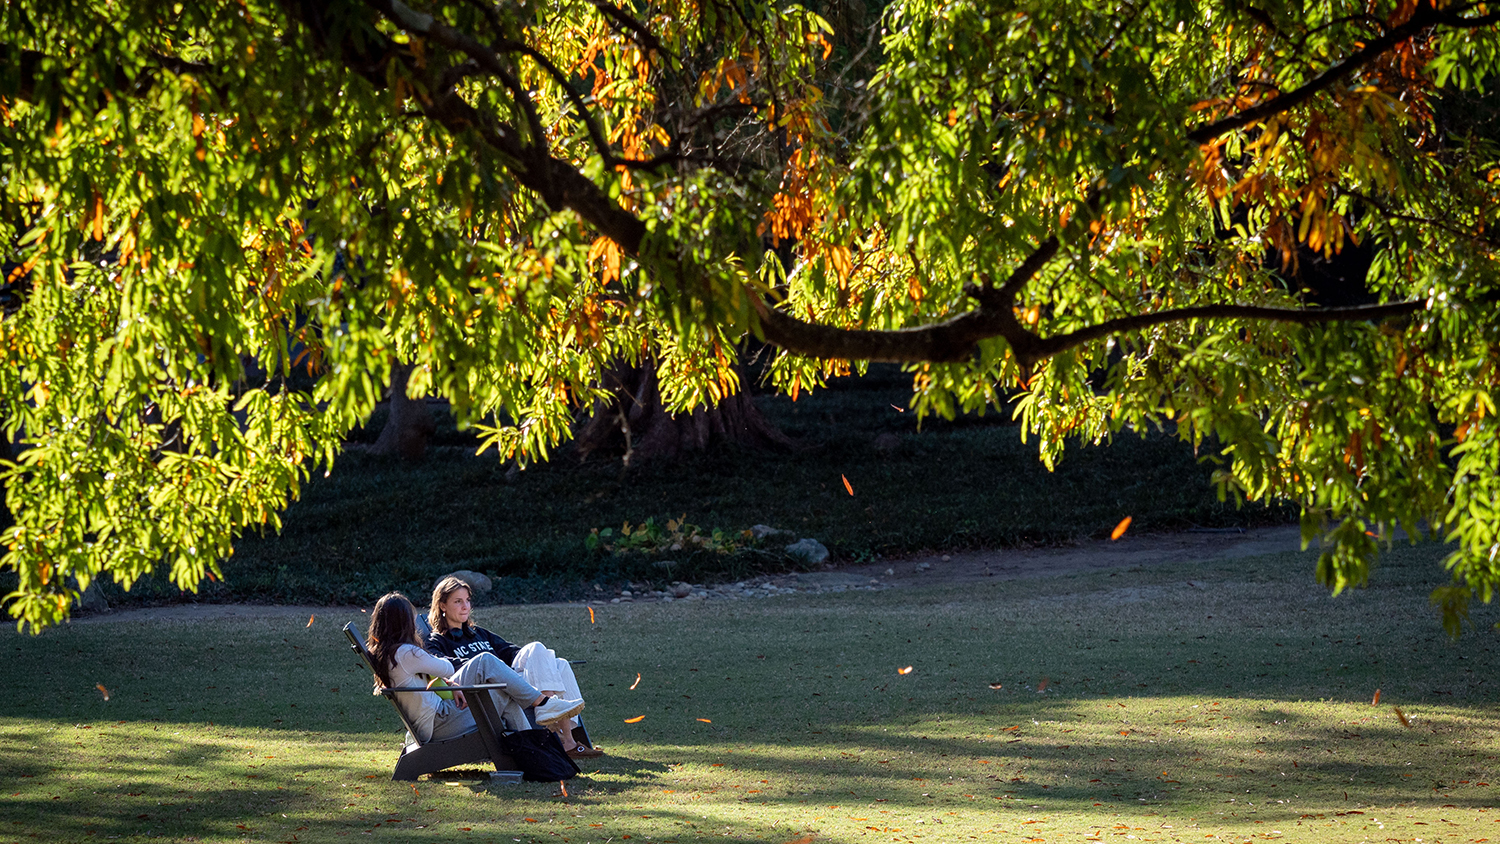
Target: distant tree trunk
409 424
634 422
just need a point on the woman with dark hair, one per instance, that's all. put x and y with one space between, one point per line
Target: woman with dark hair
459 639
400 661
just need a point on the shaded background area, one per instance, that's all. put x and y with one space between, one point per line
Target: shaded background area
378 523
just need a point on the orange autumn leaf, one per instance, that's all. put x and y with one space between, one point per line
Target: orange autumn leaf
1120 529
1376 701
1042 686
705 720
1401 716
846 485
636 683
310 619
899 409
997 685
806 839
906 670
564 786
102 690
636 720
98 216
591 615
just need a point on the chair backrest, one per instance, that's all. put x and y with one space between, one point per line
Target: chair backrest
357 645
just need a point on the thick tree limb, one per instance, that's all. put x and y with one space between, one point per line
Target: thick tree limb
953 340
1050 346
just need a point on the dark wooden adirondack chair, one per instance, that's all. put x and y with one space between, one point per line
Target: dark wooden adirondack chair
480 745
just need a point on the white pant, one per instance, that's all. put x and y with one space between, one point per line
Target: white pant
541 668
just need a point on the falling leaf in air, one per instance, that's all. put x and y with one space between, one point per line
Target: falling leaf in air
636 683
414 791
705 720
906 670
564 786
636 720
899 409
1042 686
1401 716
1120 529
102 690
997 685
847 486
310 619
591 615
1376 701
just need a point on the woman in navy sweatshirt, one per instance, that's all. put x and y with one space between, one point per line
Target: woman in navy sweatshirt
457 638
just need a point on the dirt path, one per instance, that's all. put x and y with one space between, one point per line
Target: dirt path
920 570
1144 550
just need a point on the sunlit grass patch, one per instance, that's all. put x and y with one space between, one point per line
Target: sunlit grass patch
1237 707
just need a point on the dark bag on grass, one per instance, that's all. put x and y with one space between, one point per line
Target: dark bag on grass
540 755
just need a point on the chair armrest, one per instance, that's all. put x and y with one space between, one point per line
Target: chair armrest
479 688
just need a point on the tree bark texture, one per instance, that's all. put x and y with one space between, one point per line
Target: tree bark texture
409 424
635 423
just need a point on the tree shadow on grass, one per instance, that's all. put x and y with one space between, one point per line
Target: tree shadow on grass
1301 761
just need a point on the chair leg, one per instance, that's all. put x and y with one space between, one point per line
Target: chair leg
580 732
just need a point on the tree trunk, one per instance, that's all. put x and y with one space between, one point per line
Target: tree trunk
409 424
636 424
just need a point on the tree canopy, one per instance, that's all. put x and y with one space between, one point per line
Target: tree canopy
225 220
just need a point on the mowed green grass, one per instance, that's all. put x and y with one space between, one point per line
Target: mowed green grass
1238 711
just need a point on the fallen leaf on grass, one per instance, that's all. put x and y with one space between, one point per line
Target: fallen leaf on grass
310 619
705 720
102 690
636 720
564 786
1120 529
806 839
1401 716
414 791
591 615
1042 686
906 670
997 685
636 683
846 484
1376 701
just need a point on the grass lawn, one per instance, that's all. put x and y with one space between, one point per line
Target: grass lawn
1238 711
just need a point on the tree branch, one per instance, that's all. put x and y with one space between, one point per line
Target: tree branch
953 340
1421 19
623 20
1062 342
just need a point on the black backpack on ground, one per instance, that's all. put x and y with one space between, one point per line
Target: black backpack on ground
540 756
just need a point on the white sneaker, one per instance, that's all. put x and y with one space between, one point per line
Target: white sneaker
556 709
